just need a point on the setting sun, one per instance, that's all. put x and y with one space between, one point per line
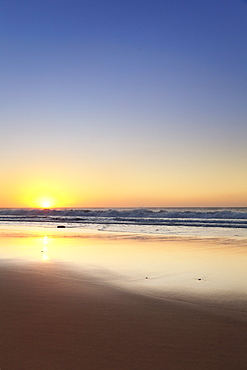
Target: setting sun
46 204
44 193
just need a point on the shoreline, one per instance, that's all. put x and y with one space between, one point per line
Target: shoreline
53 321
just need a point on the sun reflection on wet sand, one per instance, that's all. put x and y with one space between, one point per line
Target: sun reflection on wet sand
165 265
45 256
72 286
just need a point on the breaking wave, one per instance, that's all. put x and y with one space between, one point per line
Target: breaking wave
202 217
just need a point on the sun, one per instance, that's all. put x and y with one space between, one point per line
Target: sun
46 204
44 194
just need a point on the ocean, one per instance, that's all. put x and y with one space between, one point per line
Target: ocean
222 222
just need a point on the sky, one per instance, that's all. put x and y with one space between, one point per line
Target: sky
123 103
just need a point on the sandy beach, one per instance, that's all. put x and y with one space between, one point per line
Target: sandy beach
54 319
123 193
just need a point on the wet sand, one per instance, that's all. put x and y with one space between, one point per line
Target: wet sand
54 319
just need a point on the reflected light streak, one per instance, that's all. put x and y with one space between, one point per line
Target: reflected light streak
200 266
45 256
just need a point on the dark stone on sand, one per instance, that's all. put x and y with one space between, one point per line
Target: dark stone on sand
60 226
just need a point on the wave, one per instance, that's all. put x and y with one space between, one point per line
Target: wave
234 213
203 217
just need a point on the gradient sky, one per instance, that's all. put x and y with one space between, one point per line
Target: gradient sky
123 102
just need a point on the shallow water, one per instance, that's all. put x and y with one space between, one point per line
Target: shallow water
171 267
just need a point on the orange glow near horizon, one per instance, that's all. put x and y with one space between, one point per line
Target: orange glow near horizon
99 191
45 201
45 193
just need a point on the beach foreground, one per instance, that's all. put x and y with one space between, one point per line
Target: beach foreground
54 319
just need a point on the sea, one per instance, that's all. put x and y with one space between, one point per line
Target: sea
199 222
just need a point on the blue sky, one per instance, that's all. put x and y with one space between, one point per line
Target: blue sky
125 102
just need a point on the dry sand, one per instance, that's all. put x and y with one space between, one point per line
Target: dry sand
52 320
